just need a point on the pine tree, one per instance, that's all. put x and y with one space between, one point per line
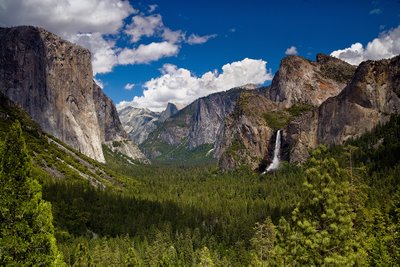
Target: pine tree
263 240
321 232
26 228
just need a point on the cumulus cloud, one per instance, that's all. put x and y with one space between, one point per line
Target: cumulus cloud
66 16
153 26
291 51
196 39
104 57
129 86
96 25
144 26
387 45
147 53
181 86
173 36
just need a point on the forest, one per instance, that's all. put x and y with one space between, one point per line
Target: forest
340 208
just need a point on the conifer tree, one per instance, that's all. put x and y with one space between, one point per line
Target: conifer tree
263 239
26 228
321 231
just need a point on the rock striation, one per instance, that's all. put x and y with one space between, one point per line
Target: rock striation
369 99
197 125
300 80
112 132
341 102
52 80
246 137
140 122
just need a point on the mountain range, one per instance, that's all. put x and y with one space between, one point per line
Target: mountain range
326 101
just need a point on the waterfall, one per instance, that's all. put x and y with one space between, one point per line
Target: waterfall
275 162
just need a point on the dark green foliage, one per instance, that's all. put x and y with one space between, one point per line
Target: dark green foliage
26 229
322 231
279 119
166 215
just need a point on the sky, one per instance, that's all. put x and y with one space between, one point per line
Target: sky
148 53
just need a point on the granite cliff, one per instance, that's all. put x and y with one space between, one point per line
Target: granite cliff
300 80
112 132
140 122
52 80
322 102
194 130
369 99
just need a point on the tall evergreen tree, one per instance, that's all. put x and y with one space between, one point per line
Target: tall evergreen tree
321 232
26 228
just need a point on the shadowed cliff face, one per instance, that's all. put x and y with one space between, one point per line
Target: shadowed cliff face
52 80
110 126
112 133
197 125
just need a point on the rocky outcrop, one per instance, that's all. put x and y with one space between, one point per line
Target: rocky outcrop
369 99
169 111
52 80
369 95
111 131
110 126
246 137
198 124
299 80
138 122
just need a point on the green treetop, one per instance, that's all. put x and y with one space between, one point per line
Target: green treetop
26 228
321 231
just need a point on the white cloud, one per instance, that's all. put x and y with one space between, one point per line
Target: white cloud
152 8
291 51
99 82
387 45
104 57
179 85
376 11
147 53
92 24
129 86
144 26
81 22
196 39
66 16
173 36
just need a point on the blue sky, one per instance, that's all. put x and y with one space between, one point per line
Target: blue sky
210 34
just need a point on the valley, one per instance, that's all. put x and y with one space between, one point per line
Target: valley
302 172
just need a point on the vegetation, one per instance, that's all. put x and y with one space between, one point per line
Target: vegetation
341 208
279 119
27 232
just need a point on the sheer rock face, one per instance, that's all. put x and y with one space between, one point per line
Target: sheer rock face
140 122
199 123
351 103
110 126
52 80
369 99
246 138
299 80
111 130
